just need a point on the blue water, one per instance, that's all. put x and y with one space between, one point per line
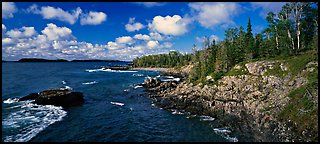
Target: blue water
134 119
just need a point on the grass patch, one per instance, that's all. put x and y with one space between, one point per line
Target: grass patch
276 71
242 71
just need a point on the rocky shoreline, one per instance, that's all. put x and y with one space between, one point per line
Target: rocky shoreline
246 104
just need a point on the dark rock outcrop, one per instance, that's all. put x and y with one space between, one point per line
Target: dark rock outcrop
56 97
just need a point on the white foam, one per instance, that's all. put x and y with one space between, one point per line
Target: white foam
9 101
139 75
173 79
107 70
117 103
89 83
177 112
66 88
31 120
225 133
64 82
126 90
206 118
138 86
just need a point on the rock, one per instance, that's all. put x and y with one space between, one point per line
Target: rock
56 97
31 96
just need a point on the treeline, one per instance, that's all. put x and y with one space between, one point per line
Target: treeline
290 32
172 59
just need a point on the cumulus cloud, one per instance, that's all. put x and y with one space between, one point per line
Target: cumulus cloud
213 14
55 42
57 33
71 17
22 32
8 9
142 37
49 12
93 18
150 4
152 44
211 38
266 7
175 25
124 40
132 26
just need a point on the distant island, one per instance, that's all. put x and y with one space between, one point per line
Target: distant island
59 60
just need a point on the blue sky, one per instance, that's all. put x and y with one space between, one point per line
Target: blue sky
119 30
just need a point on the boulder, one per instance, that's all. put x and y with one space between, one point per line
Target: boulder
56 97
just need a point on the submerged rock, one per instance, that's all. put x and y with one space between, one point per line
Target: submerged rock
56 97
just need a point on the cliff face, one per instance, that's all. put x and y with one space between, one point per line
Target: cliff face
249 103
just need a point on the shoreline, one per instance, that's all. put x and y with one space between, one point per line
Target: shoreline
153 69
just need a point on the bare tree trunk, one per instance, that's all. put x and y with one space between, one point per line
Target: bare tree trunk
277 41
297 17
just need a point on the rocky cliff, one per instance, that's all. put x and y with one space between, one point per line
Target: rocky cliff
248 103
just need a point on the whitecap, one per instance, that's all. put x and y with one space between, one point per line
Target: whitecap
126 90
9 101
206 118
66 88
177 112
107 70
64 82
171 79
117 103
89 83
225 133
139 75
138 86
31 120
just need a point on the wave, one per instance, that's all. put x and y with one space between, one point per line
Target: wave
206 118
117 103
64 82
139 75
138 86
225 133
66 88
89 83
177 112
171 79
107 70
30 120
9 101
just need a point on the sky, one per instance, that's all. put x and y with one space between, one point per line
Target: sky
120 30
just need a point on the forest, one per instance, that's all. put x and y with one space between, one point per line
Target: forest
291 32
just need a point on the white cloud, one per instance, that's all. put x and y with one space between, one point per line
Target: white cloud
57 33
6 41
213 14
49 12
124 40
266 7
8 9
211 37
93 18
22 32
156 36
58 43
168 25
150 4
142 37
131 26
152 44
4 28
112 45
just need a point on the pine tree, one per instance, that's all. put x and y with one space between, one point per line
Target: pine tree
249 41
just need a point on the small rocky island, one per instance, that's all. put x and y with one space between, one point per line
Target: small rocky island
57 97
